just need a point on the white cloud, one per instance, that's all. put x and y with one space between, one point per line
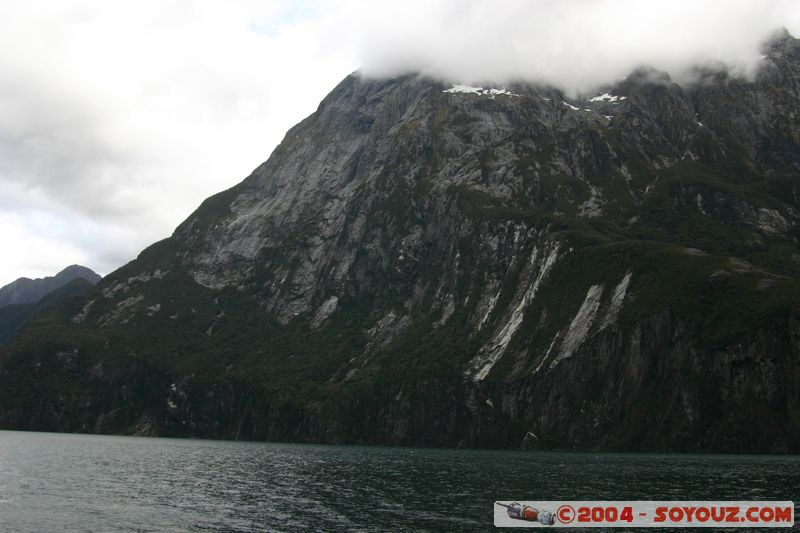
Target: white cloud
118 118
576 44
32 247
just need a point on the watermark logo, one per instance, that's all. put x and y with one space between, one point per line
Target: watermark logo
629 514
528 513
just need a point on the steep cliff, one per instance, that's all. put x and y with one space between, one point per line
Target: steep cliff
422 263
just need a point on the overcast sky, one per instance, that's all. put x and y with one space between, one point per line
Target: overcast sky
117 118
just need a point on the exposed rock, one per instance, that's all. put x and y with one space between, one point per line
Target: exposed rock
765 284
580 325
327 307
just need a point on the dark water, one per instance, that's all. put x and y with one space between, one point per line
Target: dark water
53 482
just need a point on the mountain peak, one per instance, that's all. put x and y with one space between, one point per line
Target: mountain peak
27 290
780 40
79 271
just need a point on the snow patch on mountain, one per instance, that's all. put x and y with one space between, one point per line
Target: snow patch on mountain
607 97
480 91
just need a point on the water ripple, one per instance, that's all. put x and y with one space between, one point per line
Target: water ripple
56 482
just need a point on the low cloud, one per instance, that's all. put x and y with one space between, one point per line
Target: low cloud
575 45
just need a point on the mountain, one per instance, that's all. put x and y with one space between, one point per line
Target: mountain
25 297
427 264
14 316
26 290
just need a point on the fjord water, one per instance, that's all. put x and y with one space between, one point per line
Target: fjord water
61 482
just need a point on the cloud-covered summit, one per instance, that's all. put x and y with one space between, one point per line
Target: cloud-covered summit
575 45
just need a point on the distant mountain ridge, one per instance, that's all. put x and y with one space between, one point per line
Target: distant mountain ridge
20 300
14 316
26 290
